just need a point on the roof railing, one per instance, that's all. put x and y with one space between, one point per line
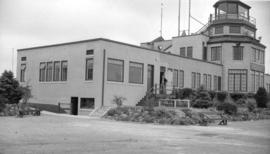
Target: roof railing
249 19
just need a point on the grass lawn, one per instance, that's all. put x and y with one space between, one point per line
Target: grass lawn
61 135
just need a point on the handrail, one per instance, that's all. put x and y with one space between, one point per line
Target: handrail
249 19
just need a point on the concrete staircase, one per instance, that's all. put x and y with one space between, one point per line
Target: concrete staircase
99 112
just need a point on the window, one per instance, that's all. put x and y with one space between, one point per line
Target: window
232 8
198 80
235 29
215 82
115 70
189 52
64 69
135 72
209 82
175 78
23 68
252 80
23 58
193 80
49 71
89 52
215 53
181 78
205 80
237 80
56 71
262 57
253 55
87 103
42 72
218 29
89 69
183 51
237 53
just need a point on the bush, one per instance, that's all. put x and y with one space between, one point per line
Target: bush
202 99
221 96
118 100
202 104
237 96
251 104
227 108
212 94
261 97
184 93
241 102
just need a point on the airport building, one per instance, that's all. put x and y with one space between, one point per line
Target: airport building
225 55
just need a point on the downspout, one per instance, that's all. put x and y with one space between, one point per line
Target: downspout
103 78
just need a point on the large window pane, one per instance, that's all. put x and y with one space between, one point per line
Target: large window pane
23 68
215 53
235 29
193 80
175 78
209 82
115 70
89 69
64 69
87 103
49 71
56 72
135 72
183 51
181 78
190 52
232 8
42 72
219 30
237 53
237 80
198 80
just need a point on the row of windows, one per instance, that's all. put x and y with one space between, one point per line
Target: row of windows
232 29
116 71
257 80
53 71
257 56
207 81
186 52
216 53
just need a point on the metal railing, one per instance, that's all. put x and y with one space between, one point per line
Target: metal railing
174 103
249 19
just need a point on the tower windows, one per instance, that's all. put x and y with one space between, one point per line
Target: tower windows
215 53
235 29
219 30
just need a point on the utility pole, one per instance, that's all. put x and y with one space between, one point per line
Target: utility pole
12 61
161 16
179 17
189 17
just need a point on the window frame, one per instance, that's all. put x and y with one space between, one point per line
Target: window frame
83 108
216 53
183 50
217 29
181 79
241 53
42 69
190 51
87 78
240 84
234 31
123 70
142 72
22 72
54 71
62 74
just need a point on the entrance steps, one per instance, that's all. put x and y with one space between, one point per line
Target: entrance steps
99 112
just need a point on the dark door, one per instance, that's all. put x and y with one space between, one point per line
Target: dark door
150 77
74 106
219 83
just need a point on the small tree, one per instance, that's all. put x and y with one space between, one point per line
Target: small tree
11 92
118 100
261 97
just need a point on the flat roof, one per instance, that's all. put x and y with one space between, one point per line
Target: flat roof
112 41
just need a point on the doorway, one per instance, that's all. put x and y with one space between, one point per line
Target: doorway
74 106
150 77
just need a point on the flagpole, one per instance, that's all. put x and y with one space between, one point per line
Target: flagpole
179 17
161 16
189 17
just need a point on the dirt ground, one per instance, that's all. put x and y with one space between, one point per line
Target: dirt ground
66 135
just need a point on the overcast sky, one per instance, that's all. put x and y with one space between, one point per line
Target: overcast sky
27 23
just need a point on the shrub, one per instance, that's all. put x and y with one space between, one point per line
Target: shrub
118 100
184 93
227 108
212 94
250 95
251 104
221 96
10 91
241 102
261 97
237 96
202 104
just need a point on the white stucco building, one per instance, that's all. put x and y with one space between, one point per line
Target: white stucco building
224 55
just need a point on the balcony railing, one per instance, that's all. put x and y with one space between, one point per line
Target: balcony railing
233 17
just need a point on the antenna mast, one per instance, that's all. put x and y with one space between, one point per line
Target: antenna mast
179 17
161 16
189 17
12 60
